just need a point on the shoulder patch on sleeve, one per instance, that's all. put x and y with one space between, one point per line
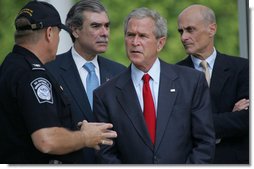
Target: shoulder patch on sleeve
43 90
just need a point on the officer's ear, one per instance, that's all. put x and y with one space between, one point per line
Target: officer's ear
50 33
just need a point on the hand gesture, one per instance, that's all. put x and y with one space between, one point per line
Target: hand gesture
97 133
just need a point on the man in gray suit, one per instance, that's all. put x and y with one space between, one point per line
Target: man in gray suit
89 23
177 125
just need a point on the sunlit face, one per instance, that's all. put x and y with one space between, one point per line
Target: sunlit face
141 45
93 37
196 35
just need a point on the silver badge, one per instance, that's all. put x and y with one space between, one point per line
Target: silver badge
43 90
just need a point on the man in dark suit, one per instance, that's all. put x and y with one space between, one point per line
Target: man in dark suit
171 121
89 23
229 83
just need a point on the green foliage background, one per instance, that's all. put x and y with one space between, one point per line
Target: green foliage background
227 38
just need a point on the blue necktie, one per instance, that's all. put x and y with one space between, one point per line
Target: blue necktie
92 81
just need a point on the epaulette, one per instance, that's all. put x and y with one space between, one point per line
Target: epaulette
35 63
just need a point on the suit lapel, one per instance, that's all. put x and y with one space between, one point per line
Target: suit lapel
105 75
71 78
128 97
167 96
188 62
220 75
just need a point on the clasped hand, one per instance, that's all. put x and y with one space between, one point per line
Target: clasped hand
242 104
96 134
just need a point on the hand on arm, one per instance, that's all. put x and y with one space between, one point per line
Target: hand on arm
241 105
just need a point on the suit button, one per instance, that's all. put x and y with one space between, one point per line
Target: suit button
155 159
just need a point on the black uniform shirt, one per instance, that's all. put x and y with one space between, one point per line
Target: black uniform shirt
30 99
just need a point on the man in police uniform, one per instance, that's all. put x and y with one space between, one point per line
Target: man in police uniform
35 121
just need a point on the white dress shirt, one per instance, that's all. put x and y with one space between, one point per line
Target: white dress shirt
210 62
80 61
136 76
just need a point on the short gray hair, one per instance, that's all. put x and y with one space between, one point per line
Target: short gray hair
140 13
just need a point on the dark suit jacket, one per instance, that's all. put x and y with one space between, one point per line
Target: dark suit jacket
229 83
66 73
184 131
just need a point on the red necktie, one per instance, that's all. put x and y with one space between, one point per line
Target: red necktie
149 109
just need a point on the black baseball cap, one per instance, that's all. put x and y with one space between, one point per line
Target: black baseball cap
41 15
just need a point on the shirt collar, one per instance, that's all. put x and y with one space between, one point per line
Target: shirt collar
137 74
80 61
210 60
